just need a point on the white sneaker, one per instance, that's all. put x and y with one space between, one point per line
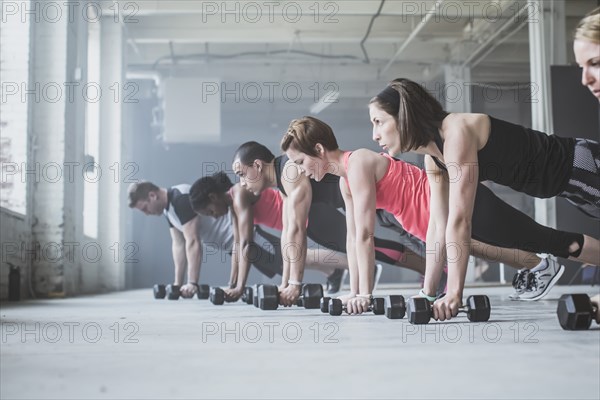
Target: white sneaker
376 275
541 281
519 283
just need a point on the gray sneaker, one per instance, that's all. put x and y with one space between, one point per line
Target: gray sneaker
540 282
519 283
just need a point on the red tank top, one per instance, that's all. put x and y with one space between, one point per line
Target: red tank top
268 210
404 192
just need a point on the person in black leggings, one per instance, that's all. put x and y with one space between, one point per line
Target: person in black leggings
469 148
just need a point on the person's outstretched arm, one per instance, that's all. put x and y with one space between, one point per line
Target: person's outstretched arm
193 252
293 239
435 242
243 217
179 257
361 179
460 156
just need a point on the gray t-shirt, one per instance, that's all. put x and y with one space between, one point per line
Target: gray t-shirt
214 232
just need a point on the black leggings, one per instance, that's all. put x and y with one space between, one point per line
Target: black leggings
583 188
267 258
327 227
496 222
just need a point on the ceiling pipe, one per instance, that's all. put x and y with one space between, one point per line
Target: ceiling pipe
489 40
413 35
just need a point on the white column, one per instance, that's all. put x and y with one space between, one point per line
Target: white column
111 193
547 46
457 88
47 102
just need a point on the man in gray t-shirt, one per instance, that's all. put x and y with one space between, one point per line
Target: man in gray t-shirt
189 231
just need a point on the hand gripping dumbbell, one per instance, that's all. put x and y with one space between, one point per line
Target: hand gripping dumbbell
336 307
419 311
268 296
392 306
575 311
159 291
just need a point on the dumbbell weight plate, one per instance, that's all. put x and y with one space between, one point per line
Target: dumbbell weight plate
324 304
268 297
173 292
247 295
217 296
418 310
311 295
395 307
159 291
335 307
574 311
255 295
203 292
478 308
378 306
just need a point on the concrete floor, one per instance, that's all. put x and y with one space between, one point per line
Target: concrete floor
128 345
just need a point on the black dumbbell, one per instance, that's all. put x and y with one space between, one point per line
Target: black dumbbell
159 291
324 304
377 306
203 292
311 294
395 307
217 296
172 292
255 289
247 295
575 311
419 309
267 297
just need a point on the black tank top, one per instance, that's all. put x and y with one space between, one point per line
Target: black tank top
326 191
523 159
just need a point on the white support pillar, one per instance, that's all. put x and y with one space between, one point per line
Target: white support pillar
111 200
457 88
47 101
546 47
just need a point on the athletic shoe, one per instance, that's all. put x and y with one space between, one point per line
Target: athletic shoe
334 281
540 281
519 283
376 275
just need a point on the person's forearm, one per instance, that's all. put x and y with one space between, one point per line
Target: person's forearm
285 268
365 256
352 264
435 259
179 260
295 252
235 257
193 249
244 263
458 249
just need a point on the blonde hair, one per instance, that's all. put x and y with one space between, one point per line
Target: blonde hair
589 27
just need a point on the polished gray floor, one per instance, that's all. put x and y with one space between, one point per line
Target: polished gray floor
128 345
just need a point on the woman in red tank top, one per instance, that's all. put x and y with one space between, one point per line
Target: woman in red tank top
368 181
